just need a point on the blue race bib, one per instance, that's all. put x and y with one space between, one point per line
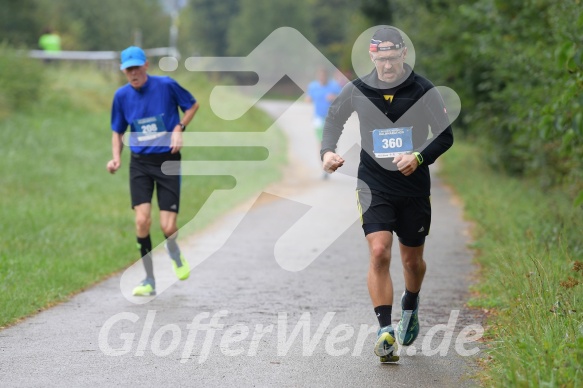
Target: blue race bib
390 142
149 128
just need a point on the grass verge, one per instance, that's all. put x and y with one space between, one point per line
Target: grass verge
65 222
530 250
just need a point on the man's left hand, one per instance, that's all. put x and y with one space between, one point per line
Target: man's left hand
407 164
176 140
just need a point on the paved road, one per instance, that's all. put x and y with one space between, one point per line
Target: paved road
277 297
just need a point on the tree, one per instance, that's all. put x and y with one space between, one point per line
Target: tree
106 24
518 67
208 25
331 22
19 25
377 11
259 18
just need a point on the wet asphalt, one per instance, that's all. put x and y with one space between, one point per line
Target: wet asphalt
277 297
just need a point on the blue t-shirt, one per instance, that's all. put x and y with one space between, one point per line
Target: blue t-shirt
318 93
151 112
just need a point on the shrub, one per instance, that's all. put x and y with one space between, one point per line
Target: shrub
21 80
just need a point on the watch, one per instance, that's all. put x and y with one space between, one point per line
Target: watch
182 126
419 158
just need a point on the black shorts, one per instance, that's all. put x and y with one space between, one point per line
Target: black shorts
146 173
408 217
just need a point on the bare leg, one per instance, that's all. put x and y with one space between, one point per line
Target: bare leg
143 219
380 285
413 267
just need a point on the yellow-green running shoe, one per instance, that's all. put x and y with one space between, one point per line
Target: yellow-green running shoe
389 359
408 327
144 289
386 346
182 272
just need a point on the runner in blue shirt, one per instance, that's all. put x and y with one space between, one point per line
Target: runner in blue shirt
322 93
149 105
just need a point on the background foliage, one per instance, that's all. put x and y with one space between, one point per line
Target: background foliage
517 65
21 80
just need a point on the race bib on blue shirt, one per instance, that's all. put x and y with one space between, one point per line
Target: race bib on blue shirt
149 128
390 142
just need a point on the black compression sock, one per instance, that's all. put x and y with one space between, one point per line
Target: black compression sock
171 244
173 249
384 314
145 245
410 300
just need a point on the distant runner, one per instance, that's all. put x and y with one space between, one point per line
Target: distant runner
149 106
322 92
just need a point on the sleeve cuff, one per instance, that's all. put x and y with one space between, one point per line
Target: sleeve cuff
323 152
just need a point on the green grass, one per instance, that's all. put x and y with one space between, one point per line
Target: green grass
530 251
65 222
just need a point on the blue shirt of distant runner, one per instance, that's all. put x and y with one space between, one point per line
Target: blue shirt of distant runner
318 93
151 112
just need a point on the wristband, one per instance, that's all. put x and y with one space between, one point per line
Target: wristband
419 157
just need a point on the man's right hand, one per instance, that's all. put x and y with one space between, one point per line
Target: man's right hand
113 165
331 162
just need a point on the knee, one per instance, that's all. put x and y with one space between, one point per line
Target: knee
380 257
168 229
414 264
143 223
168 223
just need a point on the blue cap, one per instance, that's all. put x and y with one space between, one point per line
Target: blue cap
132 56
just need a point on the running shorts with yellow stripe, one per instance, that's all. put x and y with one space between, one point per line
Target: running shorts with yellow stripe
408 217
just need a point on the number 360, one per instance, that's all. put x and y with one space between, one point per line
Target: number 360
392 143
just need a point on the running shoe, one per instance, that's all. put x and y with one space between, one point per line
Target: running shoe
181 267
389 359
408 327
182 272
146 288
386 347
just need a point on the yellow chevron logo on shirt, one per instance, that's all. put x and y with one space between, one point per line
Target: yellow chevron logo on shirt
388 97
